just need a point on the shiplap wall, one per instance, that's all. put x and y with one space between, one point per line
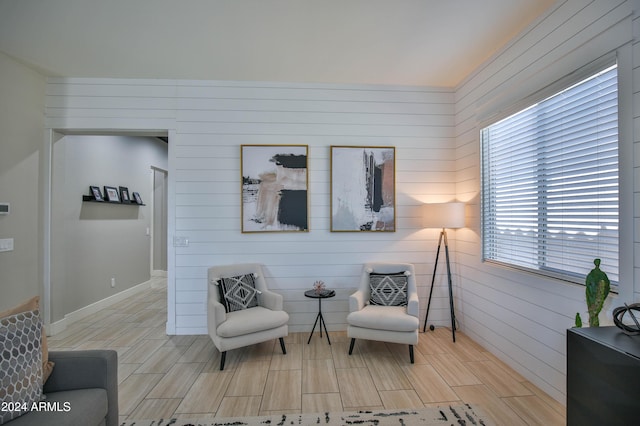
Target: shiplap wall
209 120
636 150
521 317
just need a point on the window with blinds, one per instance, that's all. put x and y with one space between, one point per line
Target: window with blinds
550 183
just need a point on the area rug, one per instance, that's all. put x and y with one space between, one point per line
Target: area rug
462 415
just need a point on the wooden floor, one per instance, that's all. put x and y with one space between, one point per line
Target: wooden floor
165 376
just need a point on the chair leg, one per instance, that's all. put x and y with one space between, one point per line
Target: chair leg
223 357
411 353
284 350
353 341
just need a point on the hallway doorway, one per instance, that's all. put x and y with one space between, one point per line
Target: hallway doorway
98 253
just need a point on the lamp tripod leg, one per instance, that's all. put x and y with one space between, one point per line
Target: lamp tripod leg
433 279
453 314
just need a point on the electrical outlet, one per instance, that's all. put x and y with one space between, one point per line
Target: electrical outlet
113 282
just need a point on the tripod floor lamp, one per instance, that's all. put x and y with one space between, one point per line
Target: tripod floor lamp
443 215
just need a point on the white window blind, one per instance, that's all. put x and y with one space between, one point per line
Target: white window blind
550 183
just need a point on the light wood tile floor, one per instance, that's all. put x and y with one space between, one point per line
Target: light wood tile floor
163 376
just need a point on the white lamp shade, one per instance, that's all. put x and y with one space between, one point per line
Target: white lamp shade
444 215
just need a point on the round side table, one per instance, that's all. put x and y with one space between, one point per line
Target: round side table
325 294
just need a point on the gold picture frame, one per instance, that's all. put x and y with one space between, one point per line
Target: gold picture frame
363 189
274 188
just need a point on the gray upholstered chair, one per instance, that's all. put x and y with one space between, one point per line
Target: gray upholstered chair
241 311
373 315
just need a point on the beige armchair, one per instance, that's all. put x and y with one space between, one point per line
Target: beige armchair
389 312
241 311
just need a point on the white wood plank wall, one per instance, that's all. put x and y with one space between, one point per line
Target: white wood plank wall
636 150
522 317
209 120
215 119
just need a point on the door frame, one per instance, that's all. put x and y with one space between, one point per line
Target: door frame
153 204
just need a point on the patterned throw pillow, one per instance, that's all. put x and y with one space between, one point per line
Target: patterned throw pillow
388 289
237 293
32 305
20 363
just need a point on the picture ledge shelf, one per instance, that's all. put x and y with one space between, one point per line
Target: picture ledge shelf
90 199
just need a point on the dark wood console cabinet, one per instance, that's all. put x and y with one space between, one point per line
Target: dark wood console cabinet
603 377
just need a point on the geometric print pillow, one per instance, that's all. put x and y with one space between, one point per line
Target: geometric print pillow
32 305
20 363
238 293
388 289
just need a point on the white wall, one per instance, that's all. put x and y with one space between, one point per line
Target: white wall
208 121
21 122
216 118
95 242
523 317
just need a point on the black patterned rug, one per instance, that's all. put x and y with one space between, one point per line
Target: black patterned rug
461 415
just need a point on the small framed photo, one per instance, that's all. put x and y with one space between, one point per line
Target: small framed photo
95 192
137 198
124 195
111 194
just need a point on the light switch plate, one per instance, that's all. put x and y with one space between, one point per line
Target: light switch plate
6 244
180 241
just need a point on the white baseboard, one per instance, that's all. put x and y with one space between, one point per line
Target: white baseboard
158 273
59 326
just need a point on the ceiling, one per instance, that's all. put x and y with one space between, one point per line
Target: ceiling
400 42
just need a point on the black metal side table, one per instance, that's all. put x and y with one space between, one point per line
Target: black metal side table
324 294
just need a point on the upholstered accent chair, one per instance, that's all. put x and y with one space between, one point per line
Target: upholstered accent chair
241 311
385 306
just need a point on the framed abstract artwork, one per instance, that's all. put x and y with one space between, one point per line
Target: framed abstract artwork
274 188
363 186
